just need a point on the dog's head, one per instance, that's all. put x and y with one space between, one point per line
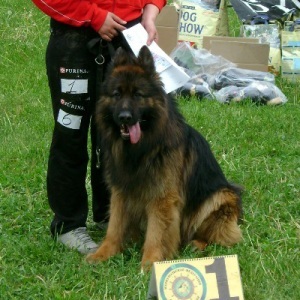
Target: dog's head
133 99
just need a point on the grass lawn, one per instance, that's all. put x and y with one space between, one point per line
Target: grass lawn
257 146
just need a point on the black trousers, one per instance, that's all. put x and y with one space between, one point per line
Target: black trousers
71 71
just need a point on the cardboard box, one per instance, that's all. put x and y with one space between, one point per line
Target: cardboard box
246 53
167 27
266 33
208 39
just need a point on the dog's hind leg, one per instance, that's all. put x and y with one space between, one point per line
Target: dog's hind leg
163 230
113 241
217 220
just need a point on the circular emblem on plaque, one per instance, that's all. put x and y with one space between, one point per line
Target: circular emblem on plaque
181 282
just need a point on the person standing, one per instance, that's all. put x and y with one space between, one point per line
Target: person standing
72 78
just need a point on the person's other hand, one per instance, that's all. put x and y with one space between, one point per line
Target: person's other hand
148 21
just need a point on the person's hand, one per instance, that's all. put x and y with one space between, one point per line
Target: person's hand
150 27
148 21
111 26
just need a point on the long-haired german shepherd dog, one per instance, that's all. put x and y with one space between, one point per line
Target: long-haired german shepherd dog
161 173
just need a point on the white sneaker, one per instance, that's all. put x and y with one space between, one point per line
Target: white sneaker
79 240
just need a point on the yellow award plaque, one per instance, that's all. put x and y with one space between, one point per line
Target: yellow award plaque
209 278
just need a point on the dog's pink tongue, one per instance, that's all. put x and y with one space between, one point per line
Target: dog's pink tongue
135 133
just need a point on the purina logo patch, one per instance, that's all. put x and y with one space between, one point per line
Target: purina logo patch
72 105
64 70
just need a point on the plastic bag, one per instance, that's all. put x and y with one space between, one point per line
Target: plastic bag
240 77
209 73
258 91
197 87
198 61
201 66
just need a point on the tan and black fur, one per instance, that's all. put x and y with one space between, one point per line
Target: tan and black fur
161 172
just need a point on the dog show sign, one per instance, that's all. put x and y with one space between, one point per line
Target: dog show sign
209 278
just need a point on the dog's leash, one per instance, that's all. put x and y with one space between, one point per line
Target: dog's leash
102 50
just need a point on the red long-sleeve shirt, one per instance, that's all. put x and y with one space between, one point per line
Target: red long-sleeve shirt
93 12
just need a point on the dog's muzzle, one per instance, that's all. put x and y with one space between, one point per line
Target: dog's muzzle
128 130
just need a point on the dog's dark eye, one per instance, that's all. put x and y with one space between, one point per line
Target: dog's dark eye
116 94
138 95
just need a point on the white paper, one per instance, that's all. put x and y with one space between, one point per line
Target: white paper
69 120
74 86
172 76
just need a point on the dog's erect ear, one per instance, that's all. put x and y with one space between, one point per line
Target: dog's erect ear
122 57
146 60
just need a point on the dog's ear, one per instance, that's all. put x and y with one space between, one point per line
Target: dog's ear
145 59
122 57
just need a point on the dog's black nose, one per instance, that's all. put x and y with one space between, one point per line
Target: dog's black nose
125 116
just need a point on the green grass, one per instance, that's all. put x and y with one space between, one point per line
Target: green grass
257 146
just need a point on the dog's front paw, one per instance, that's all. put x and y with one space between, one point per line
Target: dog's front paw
150 256
147 262
93 258
96 257
104 252
146 267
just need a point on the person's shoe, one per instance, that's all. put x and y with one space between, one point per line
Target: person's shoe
79 240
